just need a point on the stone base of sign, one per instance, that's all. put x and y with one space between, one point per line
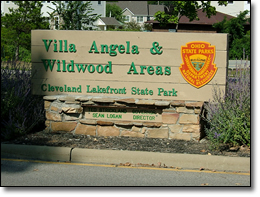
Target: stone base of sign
177 119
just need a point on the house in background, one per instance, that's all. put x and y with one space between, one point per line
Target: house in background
204 25
233 8
107 22
138 11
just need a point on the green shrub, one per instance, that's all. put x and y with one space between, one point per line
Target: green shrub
228 115
21 112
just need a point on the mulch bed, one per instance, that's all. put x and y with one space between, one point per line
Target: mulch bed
202 147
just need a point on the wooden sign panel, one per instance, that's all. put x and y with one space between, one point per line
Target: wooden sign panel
145 65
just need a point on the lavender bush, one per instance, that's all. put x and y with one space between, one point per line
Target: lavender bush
21 112
228 115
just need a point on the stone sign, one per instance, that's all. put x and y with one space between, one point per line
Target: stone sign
140 65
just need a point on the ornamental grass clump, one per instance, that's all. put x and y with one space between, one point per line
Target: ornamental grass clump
21 112
228 115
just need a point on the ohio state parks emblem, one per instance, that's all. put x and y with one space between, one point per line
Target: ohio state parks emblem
198 58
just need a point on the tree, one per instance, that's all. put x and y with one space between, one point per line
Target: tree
176 9
16 27
113 10
238 39
75 15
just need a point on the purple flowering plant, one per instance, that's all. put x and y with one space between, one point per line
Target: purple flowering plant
21 112
228 114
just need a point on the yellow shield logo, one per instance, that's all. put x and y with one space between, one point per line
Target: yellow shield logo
198 67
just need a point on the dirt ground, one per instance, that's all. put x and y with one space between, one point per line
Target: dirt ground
126 143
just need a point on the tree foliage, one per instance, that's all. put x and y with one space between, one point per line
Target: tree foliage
17 25
176 9
75 15
114 10
239 40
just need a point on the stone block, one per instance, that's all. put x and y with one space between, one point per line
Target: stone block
63 126
175 128
139 124
177 103
87 103
170 118
88 121
72 109
185 110
47 123
135 129
53 108
105 123
72 102
103 100
196 136
71 117
143 130
194 104
127 100
67 98
85 130
157 133
197 111
191 129
83 98
145 102
180 136
172 110
189 119
131 133
47 104
107 131
52 116
50 98
152 124
162 103
123 123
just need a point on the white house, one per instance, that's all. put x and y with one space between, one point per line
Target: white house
138 11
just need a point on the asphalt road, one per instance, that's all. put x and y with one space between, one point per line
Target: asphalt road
27 173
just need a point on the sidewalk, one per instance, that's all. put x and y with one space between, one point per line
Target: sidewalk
81 155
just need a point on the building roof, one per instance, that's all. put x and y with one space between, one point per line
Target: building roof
110 21
155 8
204 20
139 7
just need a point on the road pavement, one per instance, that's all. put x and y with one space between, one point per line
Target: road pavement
18 172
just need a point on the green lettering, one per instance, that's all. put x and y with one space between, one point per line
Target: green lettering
70 67
150 70
159 70
47 46
113 50
121 48
142 70
72 48
93 47
49 64
89 68
132 68
102 48
81 67
167 70
43 87
135 49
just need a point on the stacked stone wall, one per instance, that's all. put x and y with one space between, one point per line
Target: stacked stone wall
179 119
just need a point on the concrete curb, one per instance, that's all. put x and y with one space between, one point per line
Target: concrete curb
191 161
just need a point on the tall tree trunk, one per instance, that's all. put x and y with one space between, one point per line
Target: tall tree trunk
177 24
17 53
